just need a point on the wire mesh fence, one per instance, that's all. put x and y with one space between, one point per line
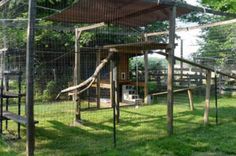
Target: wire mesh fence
81 121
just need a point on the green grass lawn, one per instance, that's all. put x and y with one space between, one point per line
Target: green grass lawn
141 131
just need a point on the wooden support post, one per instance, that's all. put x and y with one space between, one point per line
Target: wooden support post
98 88
30 126
170 97
208 96
181 55
190 97
77 78
112 96
146 98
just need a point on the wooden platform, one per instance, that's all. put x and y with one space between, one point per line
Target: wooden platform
12 73
11 95
17 118
135 48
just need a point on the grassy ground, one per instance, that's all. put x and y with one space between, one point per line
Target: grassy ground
142 131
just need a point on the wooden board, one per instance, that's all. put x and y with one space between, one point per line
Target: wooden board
13 73
17 118
11 95
136 48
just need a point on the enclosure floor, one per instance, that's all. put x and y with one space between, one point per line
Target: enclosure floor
141 131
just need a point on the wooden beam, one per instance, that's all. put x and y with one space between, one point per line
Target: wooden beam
77 79
175 91
186 29
30 127
208 97
171 50
94 26
98 88
135 48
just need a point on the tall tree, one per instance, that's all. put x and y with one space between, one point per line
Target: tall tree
218 44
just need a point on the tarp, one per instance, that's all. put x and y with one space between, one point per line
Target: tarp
122 12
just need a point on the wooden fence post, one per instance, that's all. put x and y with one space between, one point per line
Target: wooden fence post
30 126
98 89
170 97
208 96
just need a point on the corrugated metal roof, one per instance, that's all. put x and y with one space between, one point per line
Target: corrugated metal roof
122 12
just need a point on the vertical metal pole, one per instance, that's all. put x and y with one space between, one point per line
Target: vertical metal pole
7 90
30 127
19 103
171 50
2 71
1 104
117 88
113 101
216 98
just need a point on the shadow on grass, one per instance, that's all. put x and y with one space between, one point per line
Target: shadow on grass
143 136
141 132
67 140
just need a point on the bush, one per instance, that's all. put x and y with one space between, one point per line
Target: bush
51 91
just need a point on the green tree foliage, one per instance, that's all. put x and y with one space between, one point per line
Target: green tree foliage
154 63
223 5
218 43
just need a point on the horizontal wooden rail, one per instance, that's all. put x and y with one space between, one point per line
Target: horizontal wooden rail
198 65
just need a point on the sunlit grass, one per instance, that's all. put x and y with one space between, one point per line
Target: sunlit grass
141 131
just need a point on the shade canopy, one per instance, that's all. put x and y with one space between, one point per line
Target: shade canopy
122 12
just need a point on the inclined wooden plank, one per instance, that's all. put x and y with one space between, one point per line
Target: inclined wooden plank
175 91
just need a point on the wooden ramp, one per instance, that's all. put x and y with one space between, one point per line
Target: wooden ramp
175 91
14 117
